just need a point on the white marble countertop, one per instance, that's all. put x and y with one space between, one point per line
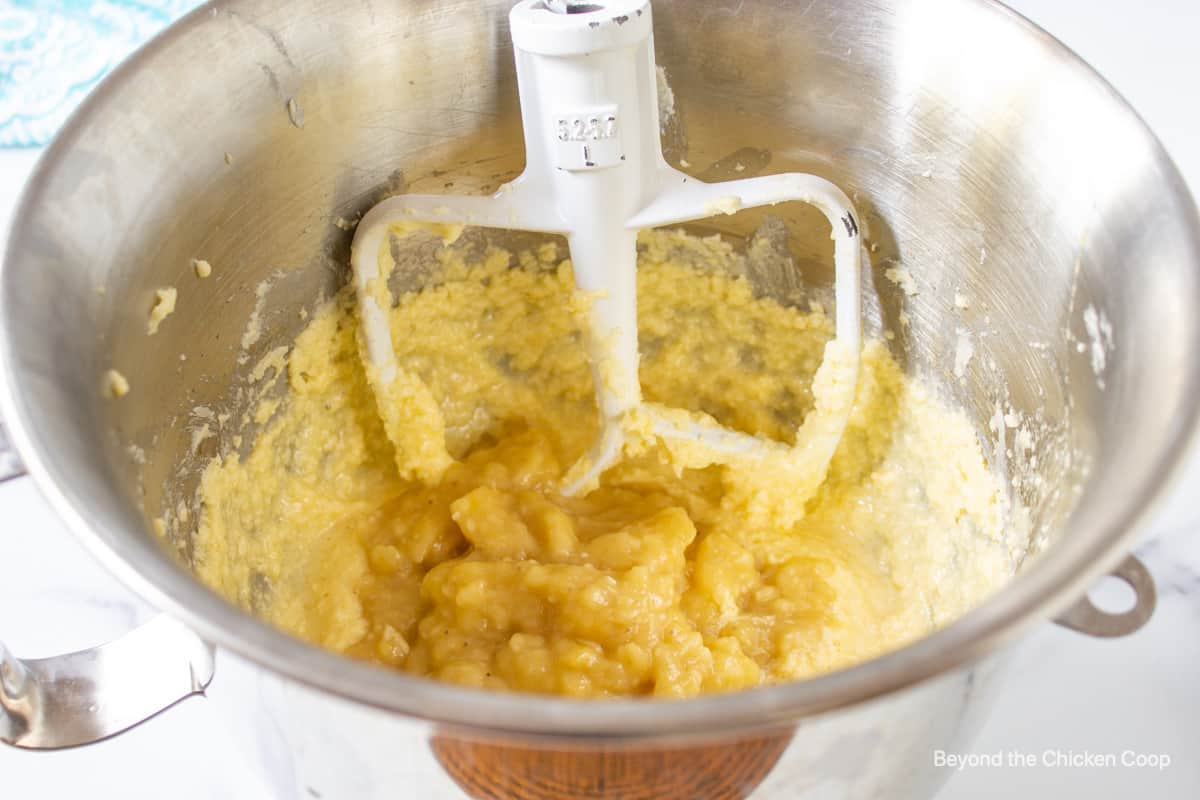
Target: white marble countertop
1066 692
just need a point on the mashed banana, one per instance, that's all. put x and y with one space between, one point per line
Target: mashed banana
655 583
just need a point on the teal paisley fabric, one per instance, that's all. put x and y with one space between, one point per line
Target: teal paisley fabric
52 52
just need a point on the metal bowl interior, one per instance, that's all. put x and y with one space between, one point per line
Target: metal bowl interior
985 158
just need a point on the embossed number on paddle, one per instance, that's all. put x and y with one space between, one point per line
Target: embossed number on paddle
587 138
586 128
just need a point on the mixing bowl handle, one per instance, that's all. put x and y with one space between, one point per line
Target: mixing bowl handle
80 698
10 465
1085 617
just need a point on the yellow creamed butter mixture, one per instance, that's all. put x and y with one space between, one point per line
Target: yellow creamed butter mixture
660 582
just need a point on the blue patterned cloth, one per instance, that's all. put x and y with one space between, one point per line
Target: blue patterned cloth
52 52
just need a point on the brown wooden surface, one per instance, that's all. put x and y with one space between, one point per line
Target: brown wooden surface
511 772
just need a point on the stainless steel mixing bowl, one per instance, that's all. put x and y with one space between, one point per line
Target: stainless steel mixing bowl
986 159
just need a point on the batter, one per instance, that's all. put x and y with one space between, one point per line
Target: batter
665 580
